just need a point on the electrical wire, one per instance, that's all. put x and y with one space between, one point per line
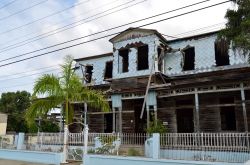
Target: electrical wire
70 18
24 54
45 17
7 4
35 56
20 11
61 29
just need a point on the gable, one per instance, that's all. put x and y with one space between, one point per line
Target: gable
127 35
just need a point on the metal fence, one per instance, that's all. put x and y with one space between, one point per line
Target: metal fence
229 147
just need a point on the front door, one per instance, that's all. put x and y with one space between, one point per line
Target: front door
185 122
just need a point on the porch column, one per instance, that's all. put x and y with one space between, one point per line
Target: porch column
155 113
117 110
197 109
244 106
114 122
120 119
148 117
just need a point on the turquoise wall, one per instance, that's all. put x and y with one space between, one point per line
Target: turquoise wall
31 156
118 160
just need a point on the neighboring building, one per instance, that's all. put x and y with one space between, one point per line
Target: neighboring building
3 123
198 83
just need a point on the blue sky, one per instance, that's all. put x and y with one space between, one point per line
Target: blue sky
11 80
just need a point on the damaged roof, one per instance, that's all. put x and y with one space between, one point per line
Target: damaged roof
94 56
195 37
129 30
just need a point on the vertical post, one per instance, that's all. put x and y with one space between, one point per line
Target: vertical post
65 141
148 117
244 106
86 133
120 119
61 120
85 113
197 109
155 114
156 145
114 116
20 141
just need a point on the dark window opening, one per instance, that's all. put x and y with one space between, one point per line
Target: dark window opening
142 57
189 57
88 73
108 123
125 60
160 59
221 52
228 121
108 70
185 122
227 114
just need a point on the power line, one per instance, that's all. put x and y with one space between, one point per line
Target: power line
7 4
106 30
29 75
180 35
42 18
23 36
199 29
47 34
43 68
24 59
25 72
20 11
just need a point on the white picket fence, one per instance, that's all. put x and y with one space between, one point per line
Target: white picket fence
229 147
206 141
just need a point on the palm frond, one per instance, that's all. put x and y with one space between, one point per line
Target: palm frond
95 99
47 85
40 107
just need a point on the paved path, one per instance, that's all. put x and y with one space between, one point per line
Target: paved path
12 162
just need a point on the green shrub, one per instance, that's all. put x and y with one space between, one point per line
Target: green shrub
156 126
133 152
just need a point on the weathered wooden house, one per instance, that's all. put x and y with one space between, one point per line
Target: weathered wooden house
196 84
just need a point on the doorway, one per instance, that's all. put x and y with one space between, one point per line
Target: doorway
140 124
185 123
108 123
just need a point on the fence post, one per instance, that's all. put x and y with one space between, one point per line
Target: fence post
20 141
86 134
156 146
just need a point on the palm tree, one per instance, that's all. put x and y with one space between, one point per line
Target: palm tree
51 90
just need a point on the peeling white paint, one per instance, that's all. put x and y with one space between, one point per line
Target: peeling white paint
132 71
99 65
204 58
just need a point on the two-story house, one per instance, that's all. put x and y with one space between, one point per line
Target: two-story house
192 84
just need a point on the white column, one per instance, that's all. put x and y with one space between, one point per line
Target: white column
148 117
120 119
244 106
197 109
65 147
114 120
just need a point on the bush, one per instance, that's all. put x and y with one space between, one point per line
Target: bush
133 152
156 126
